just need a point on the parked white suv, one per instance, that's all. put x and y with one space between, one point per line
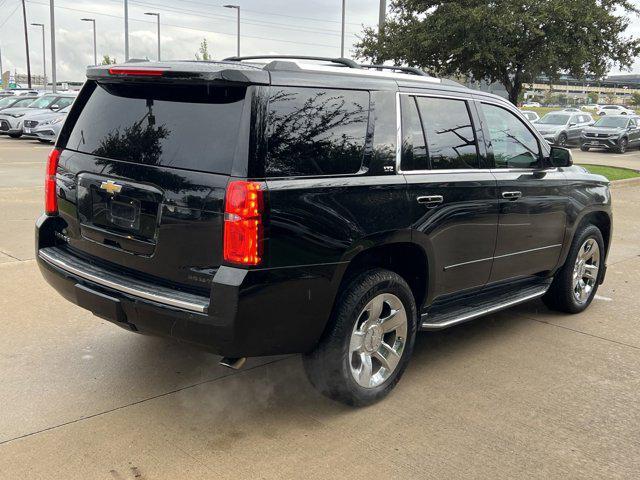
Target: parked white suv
614 110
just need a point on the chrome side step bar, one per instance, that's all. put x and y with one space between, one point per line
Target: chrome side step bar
463 314
73 265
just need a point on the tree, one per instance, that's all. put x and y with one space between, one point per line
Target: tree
107 60
507 41
635 99
203 52
593 97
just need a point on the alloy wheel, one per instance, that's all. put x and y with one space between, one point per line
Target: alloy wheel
585 270
378 340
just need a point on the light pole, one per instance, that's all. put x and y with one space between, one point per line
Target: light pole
237 7
44 55
344 2
156 15
52 22
381 16
26 43
95 52
126 30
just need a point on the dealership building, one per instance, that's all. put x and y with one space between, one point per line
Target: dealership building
615 89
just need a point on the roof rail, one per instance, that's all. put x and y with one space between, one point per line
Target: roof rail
341 61
411 70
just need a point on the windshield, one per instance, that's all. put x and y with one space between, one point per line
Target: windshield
554 119
612 122
6 101
42 102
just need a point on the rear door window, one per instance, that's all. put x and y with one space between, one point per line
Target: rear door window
414 145
315 131
451 141
193 127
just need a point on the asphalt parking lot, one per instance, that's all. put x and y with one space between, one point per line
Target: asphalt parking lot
524 393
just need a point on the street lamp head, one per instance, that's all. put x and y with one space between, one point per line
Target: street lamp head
88 19
38 25
152 13
232 6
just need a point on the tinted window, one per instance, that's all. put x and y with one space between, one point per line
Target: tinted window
514 146
385 132
315 131
414 149
193 127
451 142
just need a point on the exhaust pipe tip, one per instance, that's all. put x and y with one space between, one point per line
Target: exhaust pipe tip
233 363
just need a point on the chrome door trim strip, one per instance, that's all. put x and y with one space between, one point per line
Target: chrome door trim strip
448 267
200 307
485 311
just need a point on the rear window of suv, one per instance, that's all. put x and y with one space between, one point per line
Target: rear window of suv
193 127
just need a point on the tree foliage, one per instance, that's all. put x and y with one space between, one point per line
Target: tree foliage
506 41
107 60
635 99
203 51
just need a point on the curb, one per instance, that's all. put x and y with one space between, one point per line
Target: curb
627 182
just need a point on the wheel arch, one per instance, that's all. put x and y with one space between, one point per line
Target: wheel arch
407 259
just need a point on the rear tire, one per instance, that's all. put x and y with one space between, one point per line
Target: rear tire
368 342
576 283
584 148
15 135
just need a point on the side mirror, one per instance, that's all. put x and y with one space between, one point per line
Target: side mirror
572 124
54 107
561 157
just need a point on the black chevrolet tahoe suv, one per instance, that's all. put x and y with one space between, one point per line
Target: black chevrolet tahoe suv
261 206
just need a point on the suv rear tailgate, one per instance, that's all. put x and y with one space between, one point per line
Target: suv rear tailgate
143 173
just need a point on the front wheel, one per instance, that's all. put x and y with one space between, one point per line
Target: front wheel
576 283
562 140
584 148
365 350
623 143
15 135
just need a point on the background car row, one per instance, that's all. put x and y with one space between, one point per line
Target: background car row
617 129
40 117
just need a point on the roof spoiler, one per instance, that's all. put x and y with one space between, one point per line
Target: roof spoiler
180 72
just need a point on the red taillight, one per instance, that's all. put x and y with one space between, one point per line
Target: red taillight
50 195
243 223
137 71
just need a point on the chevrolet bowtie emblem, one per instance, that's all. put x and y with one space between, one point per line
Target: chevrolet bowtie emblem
111 187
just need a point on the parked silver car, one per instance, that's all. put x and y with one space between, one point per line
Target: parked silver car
562 128
531 115
45 126
11 118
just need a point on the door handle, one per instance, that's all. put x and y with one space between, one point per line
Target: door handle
430 200
511 195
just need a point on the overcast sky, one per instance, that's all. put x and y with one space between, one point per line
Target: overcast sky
310 27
